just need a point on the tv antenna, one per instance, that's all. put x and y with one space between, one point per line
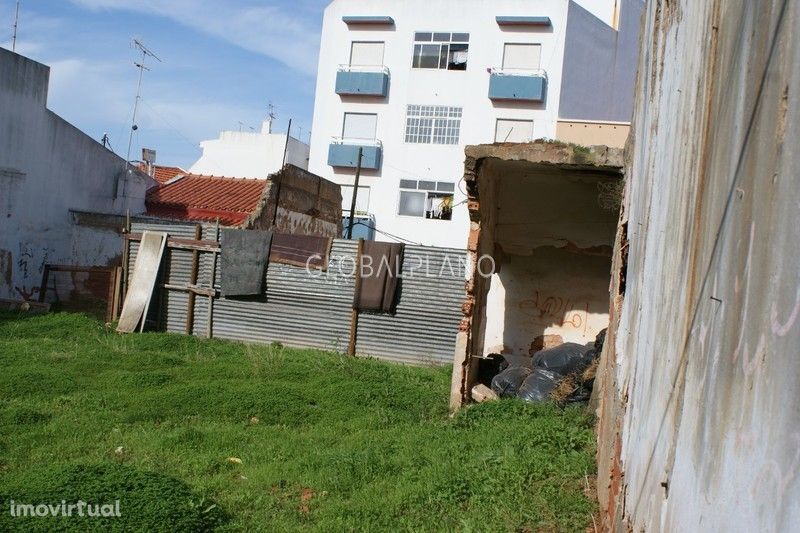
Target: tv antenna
271 115
14 37
141 66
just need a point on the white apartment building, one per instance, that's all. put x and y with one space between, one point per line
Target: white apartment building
250 154
412 83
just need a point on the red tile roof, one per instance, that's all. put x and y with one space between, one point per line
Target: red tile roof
206 198
163 174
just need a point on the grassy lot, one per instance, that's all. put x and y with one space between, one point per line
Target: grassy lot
192 434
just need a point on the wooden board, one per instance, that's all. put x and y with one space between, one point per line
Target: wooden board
142 282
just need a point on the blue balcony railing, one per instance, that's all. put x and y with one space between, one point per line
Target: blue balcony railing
519 85
362 81
344 153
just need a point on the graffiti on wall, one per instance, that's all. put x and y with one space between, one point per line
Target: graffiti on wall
556 310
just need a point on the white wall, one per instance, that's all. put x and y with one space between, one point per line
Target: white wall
244 154
704 362
48 167
467 89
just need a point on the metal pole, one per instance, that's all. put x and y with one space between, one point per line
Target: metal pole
355 195
135 106
14 38
286 146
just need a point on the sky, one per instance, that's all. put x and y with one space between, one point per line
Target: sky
223 62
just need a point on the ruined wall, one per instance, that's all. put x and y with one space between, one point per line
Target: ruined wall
306 204
552 246
47 167
535 208
698 418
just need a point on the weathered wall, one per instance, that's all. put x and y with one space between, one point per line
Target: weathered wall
702 369
552 247
306 204
535 209
600 65
48 167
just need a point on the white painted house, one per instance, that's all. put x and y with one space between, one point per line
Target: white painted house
412 83
246 154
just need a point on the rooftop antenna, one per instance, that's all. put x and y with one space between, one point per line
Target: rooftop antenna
14 38
140 65
272 116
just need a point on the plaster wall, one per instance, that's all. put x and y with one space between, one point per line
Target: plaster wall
552 246
47 167
700 429
244 154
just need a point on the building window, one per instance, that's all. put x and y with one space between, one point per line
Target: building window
366 54
447 51
429 124
522 56
362 200
426 199
359 126
513 131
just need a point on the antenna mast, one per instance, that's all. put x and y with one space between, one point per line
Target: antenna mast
271 115
14 38
140 65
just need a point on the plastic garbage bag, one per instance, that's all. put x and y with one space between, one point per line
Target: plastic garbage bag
512 360
538 385
563 359
508 382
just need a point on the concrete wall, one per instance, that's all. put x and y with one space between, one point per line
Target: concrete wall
467 89
552 247
48 167
306 204
245 154
699 414
542 215
599 71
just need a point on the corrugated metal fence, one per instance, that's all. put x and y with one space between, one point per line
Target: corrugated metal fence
313 309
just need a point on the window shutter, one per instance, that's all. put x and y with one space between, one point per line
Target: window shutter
359 126
514 131
366 54
522 56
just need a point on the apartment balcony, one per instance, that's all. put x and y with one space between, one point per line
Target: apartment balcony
343 153
518 85
362 81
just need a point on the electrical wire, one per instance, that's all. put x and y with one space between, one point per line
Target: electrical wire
171 126
387 234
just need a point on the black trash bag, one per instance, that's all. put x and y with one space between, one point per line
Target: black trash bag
539 385
563 359
489 366
512 361
508 382
600 340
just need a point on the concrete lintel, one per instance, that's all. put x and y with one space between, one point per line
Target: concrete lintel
550 153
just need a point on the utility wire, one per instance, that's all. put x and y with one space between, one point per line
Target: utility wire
387 234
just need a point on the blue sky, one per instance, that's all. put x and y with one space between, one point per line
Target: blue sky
223 62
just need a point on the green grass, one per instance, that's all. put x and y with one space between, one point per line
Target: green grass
326 442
